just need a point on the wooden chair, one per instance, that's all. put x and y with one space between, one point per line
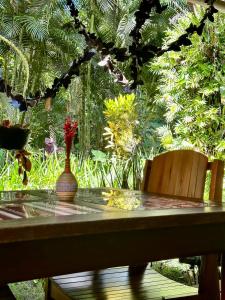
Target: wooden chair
182 174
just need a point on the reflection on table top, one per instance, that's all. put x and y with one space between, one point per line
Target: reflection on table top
29 204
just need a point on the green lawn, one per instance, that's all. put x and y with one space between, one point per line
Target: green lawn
28 290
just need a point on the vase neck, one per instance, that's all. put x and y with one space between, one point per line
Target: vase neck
67 165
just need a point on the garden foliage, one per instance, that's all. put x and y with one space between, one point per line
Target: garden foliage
192 89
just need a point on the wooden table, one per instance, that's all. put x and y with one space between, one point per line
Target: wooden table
41 236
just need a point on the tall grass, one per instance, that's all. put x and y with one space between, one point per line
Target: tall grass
89 171
45 171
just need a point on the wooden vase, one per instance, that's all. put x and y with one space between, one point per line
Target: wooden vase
66 185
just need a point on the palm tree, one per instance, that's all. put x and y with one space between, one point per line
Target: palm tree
39 30
44 32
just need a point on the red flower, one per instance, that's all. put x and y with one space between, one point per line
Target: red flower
70 130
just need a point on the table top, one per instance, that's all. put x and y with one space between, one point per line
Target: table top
41 236
33 214
29 204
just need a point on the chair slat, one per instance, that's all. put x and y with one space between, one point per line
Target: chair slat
217 170
201 167
179 173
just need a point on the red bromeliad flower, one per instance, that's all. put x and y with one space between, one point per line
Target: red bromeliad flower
70 130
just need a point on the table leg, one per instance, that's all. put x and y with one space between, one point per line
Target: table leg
48 287
5 293
137 269
209 278
223 277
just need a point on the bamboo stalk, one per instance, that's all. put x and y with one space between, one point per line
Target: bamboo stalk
219 4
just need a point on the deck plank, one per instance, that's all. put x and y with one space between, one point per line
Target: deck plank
116 284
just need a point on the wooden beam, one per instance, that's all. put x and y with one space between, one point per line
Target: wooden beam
219 4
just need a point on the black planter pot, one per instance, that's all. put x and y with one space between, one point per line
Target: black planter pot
13 138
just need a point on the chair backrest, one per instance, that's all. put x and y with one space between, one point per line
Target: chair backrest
182 173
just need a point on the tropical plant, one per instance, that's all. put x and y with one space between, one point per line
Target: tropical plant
121 117
44 32
192 88
39 30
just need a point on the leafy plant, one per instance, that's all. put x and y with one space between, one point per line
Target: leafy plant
191 88
121 118
44 32
122 140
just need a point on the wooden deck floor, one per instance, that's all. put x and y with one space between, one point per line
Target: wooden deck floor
116 284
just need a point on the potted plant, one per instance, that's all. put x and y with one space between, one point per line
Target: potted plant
13 137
